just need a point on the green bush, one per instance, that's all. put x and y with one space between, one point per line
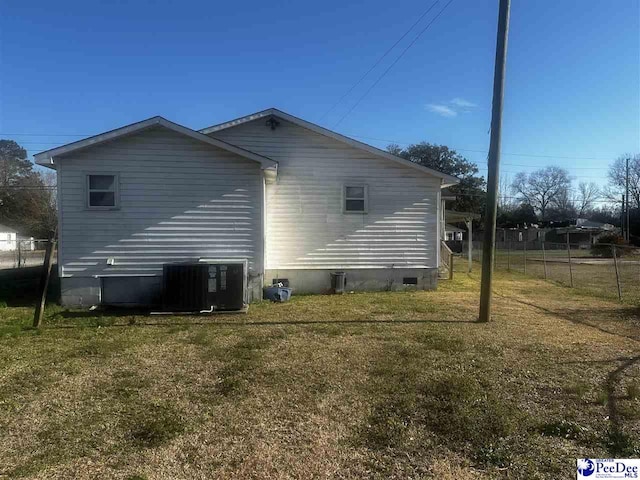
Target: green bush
604 245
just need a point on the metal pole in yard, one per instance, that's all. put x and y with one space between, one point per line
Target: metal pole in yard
509 256
627 231
615 263
525 257
544 261
494 162
470 244
19 253
569 257
44 282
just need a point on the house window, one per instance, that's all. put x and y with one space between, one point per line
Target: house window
355 199
102 191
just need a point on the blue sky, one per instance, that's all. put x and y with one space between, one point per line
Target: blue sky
573 72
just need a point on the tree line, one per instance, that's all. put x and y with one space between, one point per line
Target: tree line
544 195
27 195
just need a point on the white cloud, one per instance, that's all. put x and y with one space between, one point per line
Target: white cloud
462 103
442 110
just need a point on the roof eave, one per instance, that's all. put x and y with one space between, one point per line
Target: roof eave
47 158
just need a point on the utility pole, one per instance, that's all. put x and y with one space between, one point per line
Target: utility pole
626 204
494 162
622 217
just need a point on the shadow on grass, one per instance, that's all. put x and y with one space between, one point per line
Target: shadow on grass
619 443
19 286
110 317
576 316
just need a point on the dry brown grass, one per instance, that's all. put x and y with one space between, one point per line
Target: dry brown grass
385 385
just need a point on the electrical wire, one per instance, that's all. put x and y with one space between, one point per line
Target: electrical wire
384 55
393 64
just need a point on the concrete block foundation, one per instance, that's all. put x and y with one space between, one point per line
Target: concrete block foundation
358 280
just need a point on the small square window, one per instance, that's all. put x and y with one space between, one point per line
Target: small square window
102 191
356 199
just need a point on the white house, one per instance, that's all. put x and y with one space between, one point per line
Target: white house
8 239
296 200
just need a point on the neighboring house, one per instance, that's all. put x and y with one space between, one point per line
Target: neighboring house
453 233
584 233
526 233
8 239
293 199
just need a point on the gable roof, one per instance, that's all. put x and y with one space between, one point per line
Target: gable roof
47 158
5 229
447 180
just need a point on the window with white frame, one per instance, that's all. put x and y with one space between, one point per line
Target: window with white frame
102 191
356 199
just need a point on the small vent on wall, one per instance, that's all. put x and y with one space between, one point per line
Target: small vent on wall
410 280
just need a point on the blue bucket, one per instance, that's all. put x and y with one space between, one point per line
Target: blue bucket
277 294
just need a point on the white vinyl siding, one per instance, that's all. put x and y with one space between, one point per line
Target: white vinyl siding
179 200
307 227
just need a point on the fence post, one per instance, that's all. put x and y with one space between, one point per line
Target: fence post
544 261
509 256
525 257
19 253
44 282
615 263
450 266
569 257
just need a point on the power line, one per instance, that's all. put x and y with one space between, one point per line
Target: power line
393 64
48 134
564 157
379 60
28 187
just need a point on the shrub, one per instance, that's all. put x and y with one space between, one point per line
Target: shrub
603 246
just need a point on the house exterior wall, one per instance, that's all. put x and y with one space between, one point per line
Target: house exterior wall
180 200
306 227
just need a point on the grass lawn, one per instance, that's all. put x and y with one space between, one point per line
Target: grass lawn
384 385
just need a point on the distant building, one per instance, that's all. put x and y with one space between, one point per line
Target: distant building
451 232
524 233
8 239
584 233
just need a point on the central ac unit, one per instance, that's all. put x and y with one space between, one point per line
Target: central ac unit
205 286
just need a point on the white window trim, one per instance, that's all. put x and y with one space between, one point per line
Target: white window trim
116 191
344 198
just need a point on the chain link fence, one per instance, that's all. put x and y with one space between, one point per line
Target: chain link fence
572 265
23 253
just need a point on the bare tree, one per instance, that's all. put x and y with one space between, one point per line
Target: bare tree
32 206
617 179
588 194
505 201
542 188
42 207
